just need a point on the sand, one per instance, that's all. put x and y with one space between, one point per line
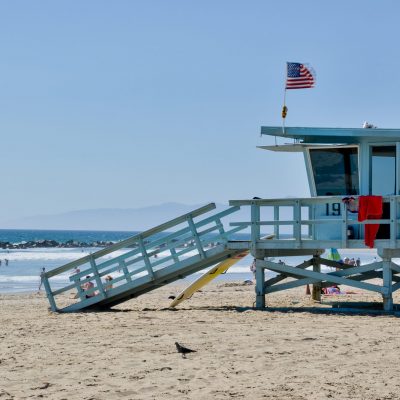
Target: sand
129 353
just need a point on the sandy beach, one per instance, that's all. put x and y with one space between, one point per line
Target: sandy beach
241 353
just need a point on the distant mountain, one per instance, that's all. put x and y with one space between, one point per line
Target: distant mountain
130 219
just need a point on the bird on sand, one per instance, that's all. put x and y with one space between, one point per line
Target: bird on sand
183 350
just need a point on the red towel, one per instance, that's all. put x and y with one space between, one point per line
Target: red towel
370 207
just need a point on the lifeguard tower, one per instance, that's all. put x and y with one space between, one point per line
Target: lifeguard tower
340 163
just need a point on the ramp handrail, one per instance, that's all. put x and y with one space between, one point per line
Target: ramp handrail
130 241
135 261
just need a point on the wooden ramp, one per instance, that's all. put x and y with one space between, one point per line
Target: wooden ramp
142 263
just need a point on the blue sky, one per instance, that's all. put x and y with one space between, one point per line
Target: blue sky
126 104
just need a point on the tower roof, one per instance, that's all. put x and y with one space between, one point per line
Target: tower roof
332 135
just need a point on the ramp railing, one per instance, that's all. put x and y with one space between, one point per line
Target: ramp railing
165 250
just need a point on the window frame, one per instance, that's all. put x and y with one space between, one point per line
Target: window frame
310 171
383 144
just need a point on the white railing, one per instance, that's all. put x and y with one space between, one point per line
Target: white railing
319 222
138 260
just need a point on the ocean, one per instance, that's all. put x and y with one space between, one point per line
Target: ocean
26 235
22 272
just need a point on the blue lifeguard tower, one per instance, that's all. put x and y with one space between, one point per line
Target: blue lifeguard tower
340 163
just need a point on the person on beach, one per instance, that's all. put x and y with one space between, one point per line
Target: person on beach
109 285
41 278
87 286
331 290
76 271
6 261
335 289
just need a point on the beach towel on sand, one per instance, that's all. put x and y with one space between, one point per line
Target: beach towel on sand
370 207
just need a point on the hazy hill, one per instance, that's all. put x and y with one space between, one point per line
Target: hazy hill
130 219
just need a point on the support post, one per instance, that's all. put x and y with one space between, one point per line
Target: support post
174 255
196 236
316 287
96 275
260 281
122 265
49 293
297 223
146 258
387 284
276 225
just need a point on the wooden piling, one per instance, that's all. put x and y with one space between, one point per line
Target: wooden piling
316 287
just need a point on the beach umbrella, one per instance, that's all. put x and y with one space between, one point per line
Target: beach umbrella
334 255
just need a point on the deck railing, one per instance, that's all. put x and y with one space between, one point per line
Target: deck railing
319 222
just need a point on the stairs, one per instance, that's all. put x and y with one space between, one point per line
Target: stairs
142 263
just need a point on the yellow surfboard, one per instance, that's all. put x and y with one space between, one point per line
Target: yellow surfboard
207 277
219 269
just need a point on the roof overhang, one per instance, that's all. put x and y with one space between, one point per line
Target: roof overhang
332 135
298 147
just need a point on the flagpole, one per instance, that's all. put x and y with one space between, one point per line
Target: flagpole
284 108
284 111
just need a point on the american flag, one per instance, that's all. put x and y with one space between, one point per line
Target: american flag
299 76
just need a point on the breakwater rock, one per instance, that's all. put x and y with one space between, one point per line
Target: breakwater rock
69 244
53 243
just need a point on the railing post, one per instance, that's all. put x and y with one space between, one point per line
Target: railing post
196 237
297 223
255 224
174 255
49 293
310 227
220 226
393 222
147 262
81 292
99 283
122 264
343 212
313 226
276 218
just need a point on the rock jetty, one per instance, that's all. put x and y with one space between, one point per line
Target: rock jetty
53 243
69 244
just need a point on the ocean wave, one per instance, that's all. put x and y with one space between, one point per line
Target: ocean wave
67 255
36 255
29 278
